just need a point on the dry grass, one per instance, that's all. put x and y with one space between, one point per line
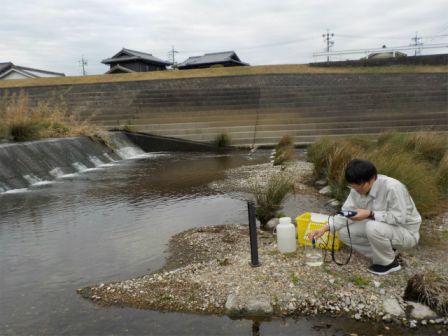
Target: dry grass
425 145
429 288
417 175
284 150
47 119
217 72
417 160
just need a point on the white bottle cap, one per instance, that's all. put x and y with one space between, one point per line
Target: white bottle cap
285 220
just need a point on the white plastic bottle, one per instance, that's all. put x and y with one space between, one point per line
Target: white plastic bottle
286 235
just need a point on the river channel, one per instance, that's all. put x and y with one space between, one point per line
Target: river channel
114 223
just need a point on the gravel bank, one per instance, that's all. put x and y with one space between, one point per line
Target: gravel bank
210 265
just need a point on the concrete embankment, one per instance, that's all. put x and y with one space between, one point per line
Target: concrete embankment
256 108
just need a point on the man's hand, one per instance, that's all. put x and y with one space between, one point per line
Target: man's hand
316 234
361 215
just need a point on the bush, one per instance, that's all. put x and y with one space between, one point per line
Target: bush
393 139
270 196
429 146
330 157
418 176
222 140
418 160
318 153
284 150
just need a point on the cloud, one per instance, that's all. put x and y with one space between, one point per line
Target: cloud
54 35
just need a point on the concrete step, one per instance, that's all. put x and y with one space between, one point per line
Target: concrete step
181 130
263 116
166 114
306 139
288 120
238 135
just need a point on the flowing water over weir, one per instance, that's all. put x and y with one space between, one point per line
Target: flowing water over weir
75 213
35 163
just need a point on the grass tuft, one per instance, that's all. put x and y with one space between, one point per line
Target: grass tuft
270 196
429 288
418 160
284 150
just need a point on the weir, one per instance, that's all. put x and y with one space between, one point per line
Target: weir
24 165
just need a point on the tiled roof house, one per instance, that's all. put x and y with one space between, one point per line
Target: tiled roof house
9 70
225 58
127 60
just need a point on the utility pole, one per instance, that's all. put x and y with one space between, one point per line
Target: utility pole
172 56
329 42
418 43
83 63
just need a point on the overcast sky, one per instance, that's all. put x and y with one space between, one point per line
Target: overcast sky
55 34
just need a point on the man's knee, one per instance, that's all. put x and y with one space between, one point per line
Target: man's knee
374 229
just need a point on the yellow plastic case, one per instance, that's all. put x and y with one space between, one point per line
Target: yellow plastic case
310 221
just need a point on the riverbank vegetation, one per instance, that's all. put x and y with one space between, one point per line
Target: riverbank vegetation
269 196
222 140
419 160
284 151
21 121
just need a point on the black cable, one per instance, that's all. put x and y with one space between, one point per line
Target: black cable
334 238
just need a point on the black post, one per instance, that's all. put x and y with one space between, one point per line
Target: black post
253 235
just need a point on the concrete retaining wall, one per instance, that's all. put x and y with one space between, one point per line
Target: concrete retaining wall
260 109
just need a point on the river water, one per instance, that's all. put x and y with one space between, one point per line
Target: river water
111 224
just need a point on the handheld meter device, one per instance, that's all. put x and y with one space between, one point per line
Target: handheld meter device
347 213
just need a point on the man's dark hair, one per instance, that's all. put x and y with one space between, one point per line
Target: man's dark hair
360 171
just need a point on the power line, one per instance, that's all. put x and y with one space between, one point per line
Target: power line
372 37
372 50
257 46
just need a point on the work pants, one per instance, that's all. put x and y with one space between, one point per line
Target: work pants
376 240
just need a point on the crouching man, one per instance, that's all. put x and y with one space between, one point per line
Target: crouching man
386 219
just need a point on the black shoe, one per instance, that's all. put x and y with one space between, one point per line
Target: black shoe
383 270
